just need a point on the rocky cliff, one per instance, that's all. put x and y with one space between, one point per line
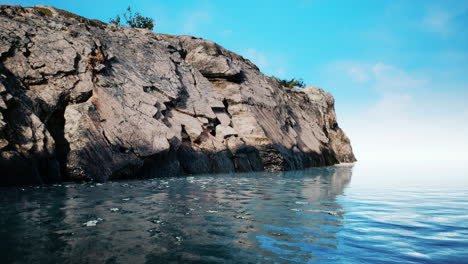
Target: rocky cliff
84 100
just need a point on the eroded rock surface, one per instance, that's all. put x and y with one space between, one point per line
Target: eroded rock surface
84 100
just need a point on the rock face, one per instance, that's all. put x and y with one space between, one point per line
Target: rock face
84 100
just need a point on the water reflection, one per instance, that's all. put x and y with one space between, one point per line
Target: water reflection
250 218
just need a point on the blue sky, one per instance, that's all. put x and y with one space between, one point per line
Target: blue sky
398 69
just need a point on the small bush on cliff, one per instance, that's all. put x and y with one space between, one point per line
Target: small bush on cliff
45 11
290 83
134 20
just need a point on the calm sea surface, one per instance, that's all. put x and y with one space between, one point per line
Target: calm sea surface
390 213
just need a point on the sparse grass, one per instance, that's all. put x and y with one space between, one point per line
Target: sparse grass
67 14
167 35
91 22
97 23
290 83
45 11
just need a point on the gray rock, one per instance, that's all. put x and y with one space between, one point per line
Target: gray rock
223 132
84 100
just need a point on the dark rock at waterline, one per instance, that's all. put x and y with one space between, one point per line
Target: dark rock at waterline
84 100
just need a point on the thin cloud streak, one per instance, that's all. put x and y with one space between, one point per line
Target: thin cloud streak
441 20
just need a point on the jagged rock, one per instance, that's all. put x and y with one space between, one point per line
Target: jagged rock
83 100
209 58
223 132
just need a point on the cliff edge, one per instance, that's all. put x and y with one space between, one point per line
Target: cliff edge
84 100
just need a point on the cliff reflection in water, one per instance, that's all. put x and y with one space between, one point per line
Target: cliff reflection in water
287 216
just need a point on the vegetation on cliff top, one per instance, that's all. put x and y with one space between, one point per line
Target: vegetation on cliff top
290 83
45 11
134 20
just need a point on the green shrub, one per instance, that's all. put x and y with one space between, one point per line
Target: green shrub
134 20
290 83
115 21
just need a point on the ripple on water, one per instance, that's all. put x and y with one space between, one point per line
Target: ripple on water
290 217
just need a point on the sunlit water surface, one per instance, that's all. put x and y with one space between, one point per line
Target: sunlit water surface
392 213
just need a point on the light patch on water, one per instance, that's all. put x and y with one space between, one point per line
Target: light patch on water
318 211
383 230
416 254
345 164
91 223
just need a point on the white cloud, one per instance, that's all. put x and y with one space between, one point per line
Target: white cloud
357 72
398 103
437 20
441 20
410 120
400 127
391 78
382 77
195 21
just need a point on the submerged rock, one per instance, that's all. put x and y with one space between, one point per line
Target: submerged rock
84 100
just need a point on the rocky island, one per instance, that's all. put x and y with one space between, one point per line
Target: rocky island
84 100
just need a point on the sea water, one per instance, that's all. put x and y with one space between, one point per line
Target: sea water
369 213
